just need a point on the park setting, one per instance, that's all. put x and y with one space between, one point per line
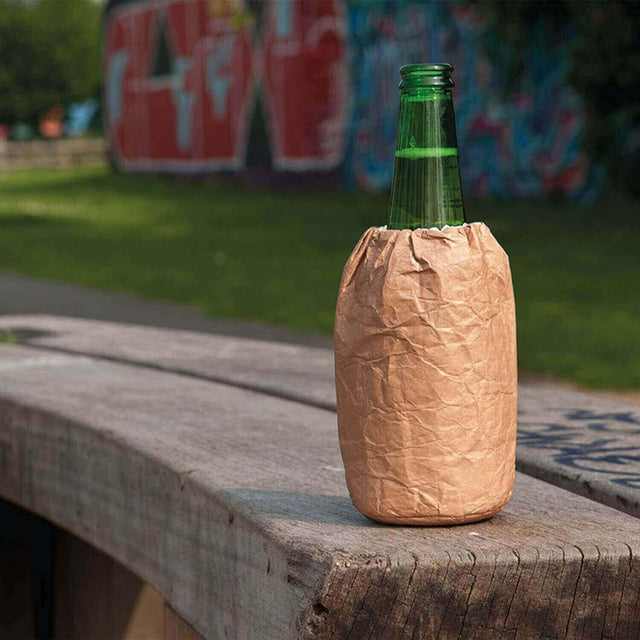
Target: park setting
252 358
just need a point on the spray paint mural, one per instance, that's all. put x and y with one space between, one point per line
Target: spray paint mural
183 78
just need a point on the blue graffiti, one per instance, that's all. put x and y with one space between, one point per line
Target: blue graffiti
115 76
569 443
284 18
218 84
524 145
183 101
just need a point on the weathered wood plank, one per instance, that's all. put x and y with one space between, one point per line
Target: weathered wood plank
291 371
581 442
97 598
232 504
175 628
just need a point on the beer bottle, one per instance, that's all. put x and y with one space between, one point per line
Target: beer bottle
426 190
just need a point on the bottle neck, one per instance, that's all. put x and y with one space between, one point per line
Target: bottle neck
426 189
427 122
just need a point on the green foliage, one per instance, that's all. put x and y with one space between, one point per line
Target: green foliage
605 72
49 55
603 47
277 257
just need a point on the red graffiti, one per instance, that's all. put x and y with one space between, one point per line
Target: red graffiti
181 78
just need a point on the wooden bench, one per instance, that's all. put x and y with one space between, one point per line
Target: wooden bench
209 468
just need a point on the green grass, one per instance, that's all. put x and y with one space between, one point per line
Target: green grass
277 257
6 337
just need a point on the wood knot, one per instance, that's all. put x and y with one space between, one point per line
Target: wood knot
319 609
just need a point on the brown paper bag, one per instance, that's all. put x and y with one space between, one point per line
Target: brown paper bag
426 380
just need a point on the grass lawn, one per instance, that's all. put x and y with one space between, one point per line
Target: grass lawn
277 257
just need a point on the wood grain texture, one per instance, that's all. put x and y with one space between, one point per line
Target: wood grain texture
232 504
286 370
175 628
581 442
584 443
97 598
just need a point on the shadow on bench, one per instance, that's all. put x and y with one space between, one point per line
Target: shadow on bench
209 468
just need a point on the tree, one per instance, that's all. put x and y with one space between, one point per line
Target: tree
49 55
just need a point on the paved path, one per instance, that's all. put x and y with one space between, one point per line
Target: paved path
24 295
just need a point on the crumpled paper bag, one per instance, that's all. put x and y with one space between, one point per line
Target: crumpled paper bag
426 376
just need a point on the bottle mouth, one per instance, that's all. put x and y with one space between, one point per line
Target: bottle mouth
436 74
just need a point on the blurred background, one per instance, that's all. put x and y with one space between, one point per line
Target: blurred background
226 155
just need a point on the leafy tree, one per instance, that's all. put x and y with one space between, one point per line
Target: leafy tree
49 55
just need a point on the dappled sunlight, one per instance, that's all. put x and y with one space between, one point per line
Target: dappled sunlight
277 256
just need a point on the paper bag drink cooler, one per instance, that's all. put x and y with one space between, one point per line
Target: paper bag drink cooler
425 344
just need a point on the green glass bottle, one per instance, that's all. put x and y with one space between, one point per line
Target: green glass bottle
426 189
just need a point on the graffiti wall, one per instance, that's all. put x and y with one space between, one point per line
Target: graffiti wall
187 80
182 78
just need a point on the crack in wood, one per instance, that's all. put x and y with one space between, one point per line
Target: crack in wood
473 582
575 592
